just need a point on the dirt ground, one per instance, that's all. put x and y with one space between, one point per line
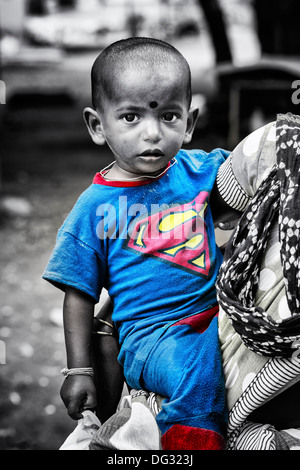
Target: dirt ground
47 160
46 179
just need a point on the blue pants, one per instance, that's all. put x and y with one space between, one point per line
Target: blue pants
185 366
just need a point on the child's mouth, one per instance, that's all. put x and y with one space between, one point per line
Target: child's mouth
155 153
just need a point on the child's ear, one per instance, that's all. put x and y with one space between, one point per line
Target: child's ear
94 125
191 123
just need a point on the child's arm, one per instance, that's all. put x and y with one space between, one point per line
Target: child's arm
78 391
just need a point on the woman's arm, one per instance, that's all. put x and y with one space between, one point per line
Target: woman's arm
108 372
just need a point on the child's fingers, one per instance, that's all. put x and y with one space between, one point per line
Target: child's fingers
90 402
74 408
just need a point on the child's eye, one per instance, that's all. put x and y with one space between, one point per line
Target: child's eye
130 117
170 117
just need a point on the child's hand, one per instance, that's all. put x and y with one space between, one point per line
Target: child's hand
78 393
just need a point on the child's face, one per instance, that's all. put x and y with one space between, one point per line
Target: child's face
146 122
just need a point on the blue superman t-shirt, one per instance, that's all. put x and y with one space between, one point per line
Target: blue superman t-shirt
151 244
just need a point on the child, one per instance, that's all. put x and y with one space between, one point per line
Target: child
144 231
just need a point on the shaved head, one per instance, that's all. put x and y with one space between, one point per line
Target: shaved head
136 54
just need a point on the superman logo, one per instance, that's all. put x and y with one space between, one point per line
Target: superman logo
175 235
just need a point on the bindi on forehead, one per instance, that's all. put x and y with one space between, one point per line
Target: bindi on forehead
153 104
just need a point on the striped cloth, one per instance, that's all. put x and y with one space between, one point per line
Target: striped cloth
231 191
276 374
265 437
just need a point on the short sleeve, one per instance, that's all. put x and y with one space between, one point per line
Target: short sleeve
250 162
74 263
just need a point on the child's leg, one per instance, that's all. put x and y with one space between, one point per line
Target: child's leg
186 367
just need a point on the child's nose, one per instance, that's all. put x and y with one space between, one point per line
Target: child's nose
152 131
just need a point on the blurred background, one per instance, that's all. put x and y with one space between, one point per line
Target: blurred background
245 61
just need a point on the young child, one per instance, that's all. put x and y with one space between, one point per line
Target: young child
144 231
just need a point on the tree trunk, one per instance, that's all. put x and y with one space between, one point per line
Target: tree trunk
36 7
278 26
67 3
216 24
